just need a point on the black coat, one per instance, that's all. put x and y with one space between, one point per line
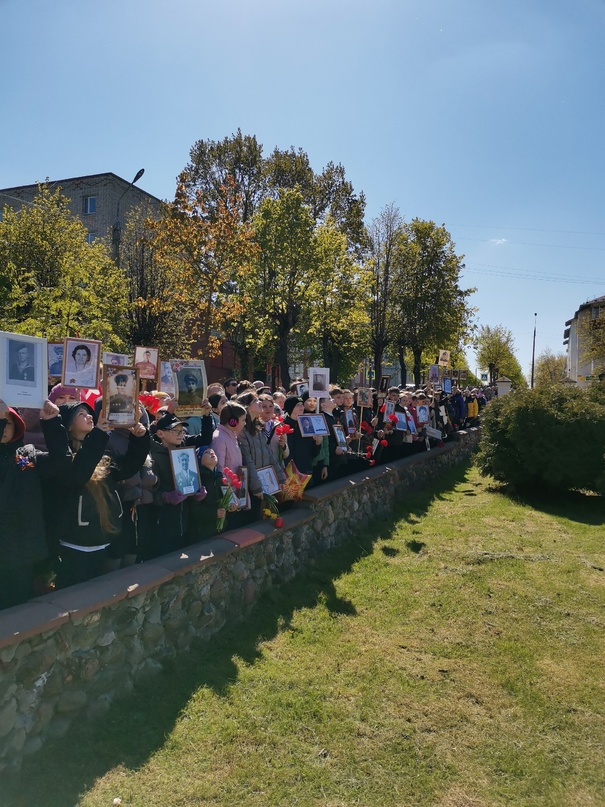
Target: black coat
23 470
73 513
302 449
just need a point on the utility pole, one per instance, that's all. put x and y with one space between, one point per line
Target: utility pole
533 352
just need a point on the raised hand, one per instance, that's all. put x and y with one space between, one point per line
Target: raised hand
48 411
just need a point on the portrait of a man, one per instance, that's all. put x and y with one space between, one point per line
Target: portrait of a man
21 367
121 402
55 360
190 390
185 479
145 360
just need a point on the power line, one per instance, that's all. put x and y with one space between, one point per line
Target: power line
525 229
541 276
529 244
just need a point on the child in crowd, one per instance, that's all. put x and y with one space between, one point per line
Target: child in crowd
302 449
224 439
204 514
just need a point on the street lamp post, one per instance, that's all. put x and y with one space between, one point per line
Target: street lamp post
533 352
117 227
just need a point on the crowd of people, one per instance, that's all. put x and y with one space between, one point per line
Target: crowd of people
81 498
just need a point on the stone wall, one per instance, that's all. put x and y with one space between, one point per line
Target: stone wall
70 653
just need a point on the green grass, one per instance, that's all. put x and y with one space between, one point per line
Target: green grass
451 657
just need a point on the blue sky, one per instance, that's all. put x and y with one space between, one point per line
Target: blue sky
485 117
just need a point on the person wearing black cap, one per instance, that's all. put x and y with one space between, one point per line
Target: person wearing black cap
85 512
170 505
22 472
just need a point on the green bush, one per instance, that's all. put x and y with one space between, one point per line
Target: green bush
551 438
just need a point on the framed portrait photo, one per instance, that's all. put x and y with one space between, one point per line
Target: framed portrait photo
81 363
402 423
243 494
146 360
433 373
313 425
319 382
463 375
411 424
341 437
55 359
384 384
190 386
120 395
351 421
184 470
422 413
24 370
455 374
166 379
389 409
446 383
117 359
302 388
268 480
364 396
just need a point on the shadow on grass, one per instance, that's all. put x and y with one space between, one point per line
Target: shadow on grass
137 725
575 505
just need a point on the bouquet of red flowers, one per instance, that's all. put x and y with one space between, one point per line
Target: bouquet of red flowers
283 428
233 483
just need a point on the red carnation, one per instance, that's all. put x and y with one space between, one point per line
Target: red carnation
393 418
384 443
365 427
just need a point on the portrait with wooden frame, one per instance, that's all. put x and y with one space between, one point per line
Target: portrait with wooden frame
24 370
190 381
319 382
364 397
147 362
301 388
268 480
313 425
185 471
341 437
117 359
383 386
81 365
120 395
55 359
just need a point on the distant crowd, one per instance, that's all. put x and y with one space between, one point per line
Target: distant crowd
80 497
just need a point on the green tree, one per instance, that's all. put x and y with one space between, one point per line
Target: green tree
429 310
550 368
336 322
591 327
213 162
384 233
495 351
52 282
287 266
158 314
203 256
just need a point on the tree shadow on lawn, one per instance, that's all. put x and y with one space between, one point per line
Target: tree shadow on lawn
137 725
575 505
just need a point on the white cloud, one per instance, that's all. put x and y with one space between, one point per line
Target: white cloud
498 241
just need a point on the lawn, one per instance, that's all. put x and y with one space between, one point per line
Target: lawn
452 656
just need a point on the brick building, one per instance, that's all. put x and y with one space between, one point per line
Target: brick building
100 201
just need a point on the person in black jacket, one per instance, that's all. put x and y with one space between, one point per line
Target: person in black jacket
85 509
22 528
302 449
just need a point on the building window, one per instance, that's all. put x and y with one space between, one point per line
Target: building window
90 237
89 205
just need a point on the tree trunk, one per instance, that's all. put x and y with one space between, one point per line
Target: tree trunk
417 353
402 364
378 354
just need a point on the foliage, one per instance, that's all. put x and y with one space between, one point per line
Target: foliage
551 438
495 351
592 339
385 233
203 256
157 313
52 282
335 323
550 368
213 164
286 268
429 310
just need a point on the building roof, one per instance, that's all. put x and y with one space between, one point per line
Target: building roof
88 178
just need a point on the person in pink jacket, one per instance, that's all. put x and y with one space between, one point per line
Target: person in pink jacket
224 439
